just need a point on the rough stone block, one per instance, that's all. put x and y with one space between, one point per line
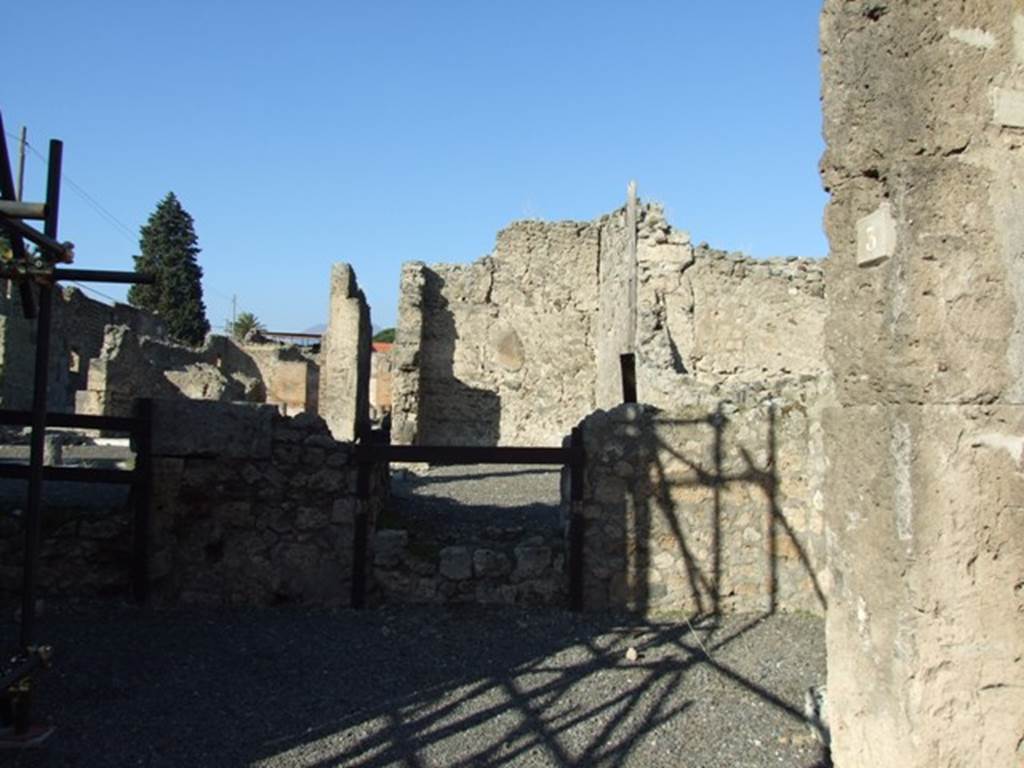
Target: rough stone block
489 563
531 560
389 547
456 563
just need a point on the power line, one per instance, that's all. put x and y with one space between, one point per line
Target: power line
123 229
93 290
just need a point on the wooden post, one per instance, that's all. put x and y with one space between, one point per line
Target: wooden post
631 266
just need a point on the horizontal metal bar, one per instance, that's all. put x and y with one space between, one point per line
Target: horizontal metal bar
19 210
70 474
79 420
19 229
102 276
467 454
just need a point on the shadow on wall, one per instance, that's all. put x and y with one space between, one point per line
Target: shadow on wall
684 517
447 405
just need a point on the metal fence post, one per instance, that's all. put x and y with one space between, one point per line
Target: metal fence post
142 493
576 521
360 534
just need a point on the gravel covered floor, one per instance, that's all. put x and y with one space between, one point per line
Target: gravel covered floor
420 687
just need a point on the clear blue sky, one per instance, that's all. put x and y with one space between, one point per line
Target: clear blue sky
382 132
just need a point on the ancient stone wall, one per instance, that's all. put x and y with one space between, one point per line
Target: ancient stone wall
290 374
713 507
505 565
406 355
345 357
249 508
380 380
78 328
924 121
130 366
517 347
504 350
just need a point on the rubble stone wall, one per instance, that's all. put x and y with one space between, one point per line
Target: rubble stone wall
131 366
85 546
252 507
249 507
517 347
924 123
78 327
713 507
500 565
504 349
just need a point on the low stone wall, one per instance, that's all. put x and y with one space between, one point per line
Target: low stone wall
506 565
715 507
86 545
251 507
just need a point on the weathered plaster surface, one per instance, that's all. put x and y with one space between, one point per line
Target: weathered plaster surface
925 482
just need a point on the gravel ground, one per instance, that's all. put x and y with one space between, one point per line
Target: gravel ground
421 687
471 497
424 686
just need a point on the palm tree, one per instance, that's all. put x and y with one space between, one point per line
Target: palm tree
244 324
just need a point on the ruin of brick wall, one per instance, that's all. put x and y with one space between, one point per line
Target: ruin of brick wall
77 334
715 507
924 124
517 347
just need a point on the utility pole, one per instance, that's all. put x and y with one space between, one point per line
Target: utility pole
21 162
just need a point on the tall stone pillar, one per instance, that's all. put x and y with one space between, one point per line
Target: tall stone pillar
924 121
345 357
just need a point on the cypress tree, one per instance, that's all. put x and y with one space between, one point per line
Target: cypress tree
168 250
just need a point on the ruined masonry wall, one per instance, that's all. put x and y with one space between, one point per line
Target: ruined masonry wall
249 507
716 506
504 349
924 123
130 366
517 347
501 565
78 328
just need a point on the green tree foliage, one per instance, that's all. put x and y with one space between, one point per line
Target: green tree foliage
168 250
387 335
243 324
